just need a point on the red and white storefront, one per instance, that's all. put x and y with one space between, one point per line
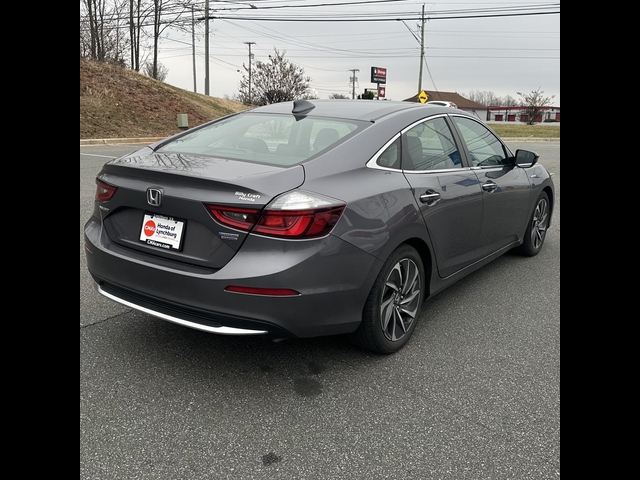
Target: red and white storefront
513 114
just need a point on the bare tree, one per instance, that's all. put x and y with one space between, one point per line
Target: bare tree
161 72
484 98
167 13
508 101
277 80
533 105
95 13
139 12
101 22
338 95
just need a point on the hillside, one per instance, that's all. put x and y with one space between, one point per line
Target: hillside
117 102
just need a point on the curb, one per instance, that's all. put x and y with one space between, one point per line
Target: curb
529 139
119 141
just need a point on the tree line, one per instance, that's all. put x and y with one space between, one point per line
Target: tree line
127 32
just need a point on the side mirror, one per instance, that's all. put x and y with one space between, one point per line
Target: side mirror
526 158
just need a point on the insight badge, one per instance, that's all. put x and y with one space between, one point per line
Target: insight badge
228 236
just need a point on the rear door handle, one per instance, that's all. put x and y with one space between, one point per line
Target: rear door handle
489 186
430 198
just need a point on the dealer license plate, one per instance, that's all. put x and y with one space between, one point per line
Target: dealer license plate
162 232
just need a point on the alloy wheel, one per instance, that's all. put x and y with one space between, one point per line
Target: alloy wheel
539 225
400 298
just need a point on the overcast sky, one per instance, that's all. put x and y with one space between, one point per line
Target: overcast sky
502 47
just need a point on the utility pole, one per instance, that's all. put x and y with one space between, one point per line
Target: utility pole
353 81
421 52
250 43
193 47
206 48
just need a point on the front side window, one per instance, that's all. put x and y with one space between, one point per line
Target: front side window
260 138
484 147
430 146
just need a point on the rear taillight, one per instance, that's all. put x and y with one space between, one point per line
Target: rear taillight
299 224
294 215
242 218
104 192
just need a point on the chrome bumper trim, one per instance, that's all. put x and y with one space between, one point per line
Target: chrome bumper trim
179 321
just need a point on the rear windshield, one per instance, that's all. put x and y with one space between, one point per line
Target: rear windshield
266 138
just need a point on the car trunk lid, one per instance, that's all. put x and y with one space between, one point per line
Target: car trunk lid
159 206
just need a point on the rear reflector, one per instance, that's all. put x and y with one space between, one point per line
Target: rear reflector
269 292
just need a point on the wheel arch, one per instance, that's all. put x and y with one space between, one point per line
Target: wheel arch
550 193
425 255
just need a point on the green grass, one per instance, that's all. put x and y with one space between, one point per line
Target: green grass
534 131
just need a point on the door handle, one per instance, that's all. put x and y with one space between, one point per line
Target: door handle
489 186
430 198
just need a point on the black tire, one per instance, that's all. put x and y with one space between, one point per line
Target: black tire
536 231
392 309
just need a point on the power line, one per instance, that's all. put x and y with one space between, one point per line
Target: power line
389 19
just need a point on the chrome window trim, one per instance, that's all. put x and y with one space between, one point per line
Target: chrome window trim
443 170
431 117
488 167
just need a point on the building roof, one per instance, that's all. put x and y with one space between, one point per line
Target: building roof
456 98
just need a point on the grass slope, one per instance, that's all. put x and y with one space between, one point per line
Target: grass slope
117 102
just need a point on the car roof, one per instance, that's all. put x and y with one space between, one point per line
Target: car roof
367 110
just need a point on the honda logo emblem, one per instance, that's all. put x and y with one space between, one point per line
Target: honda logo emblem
154 197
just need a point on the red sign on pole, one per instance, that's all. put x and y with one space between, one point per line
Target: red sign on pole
381 92
378 75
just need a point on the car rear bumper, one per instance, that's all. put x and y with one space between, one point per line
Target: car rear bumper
205 321
332 276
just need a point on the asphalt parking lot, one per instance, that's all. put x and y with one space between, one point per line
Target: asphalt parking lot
474 395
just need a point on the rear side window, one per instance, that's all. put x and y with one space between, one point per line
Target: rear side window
390 158
264 138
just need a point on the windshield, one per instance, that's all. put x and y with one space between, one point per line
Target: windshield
266 138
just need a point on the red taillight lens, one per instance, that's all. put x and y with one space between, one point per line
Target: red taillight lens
104 192
242 218
270 292
301 224
294 215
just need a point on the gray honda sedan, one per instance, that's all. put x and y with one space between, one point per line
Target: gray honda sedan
302 219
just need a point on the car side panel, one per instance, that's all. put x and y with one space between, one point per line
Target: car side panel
454 220
505 209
